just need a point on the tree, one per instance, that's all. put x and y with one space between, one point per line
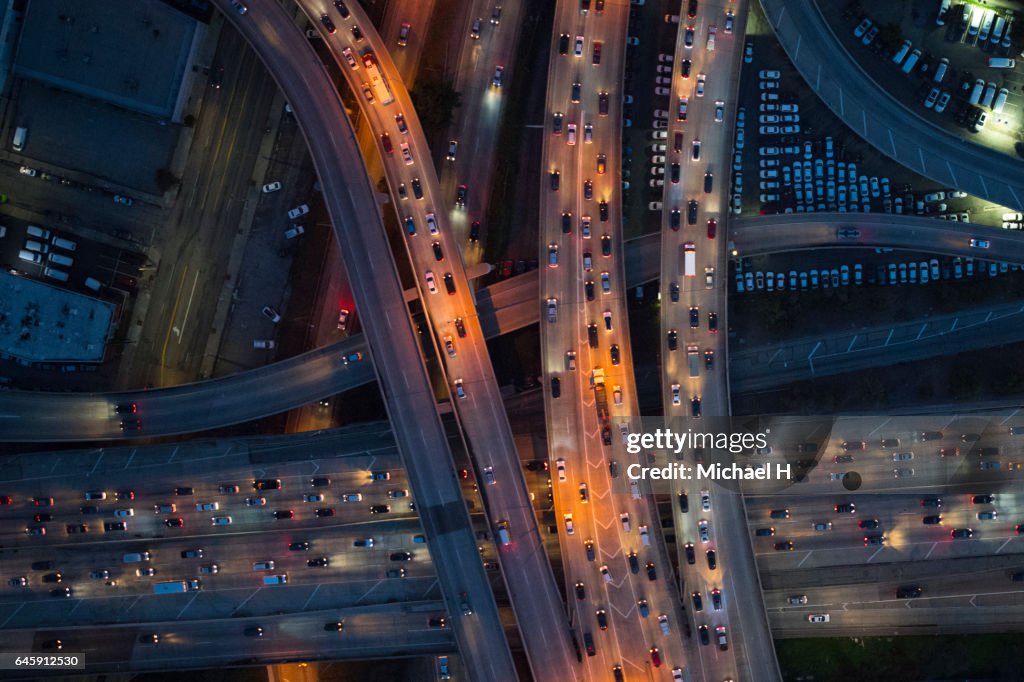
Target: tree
166 180
435 101
890 37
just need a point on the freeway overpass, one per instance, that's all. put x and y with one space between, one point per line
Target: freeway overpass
755 369
37 416
405 386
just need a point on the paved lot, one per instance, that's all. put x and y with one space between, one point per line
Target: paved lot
116 146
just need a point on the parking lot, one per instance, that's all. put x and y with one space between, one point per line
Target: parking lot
650 45
934 68
794 155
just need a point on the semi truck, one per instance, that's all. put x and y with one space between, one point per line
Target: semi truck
600 395
378 82
693 360
689 259
176 586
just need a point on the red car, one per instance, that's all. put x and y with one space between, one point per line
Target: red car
5 499
43 501
712 228
655 657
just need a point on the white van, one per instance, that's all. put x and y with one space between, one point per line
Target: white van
990 93
1001 63
940 70
30 256
263 344
503 536
911 62
18 143
38 247
93 284
977 14
136 557
902 53
979 87
997 106
53 273
61 259
65 244
34 231
986 26
997 30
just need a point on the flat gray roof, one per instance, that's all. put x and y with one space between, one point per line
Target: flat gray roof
43 323
133 54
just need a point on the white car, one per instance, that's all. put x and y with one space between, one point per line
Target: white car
271 187
675 394
570 134
350 59
579 46
432 223
560 466
769 75
701 78
431 282
719 111
817 618
298 211
862 28
705 500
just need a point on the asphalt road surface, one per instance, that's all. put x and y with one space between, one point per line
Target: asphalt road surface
469 374
406 387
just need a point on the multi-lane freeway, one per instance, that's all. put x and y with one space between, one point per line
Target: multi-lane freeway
408 395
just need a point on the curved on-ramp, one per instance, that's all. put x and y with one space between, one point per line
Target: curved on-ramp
896 131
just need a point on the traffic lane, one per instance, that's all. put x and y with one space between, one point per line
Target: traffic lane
184 409
857 602
802 231
572 277
385 630
482 375
752 653
428 435
149 515
233 552
417 15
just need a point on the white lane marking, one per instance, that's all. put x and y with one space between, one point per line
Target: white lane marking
188 308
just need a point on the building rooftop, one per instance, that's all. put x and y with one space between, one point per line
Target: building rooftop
132 54
43 323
